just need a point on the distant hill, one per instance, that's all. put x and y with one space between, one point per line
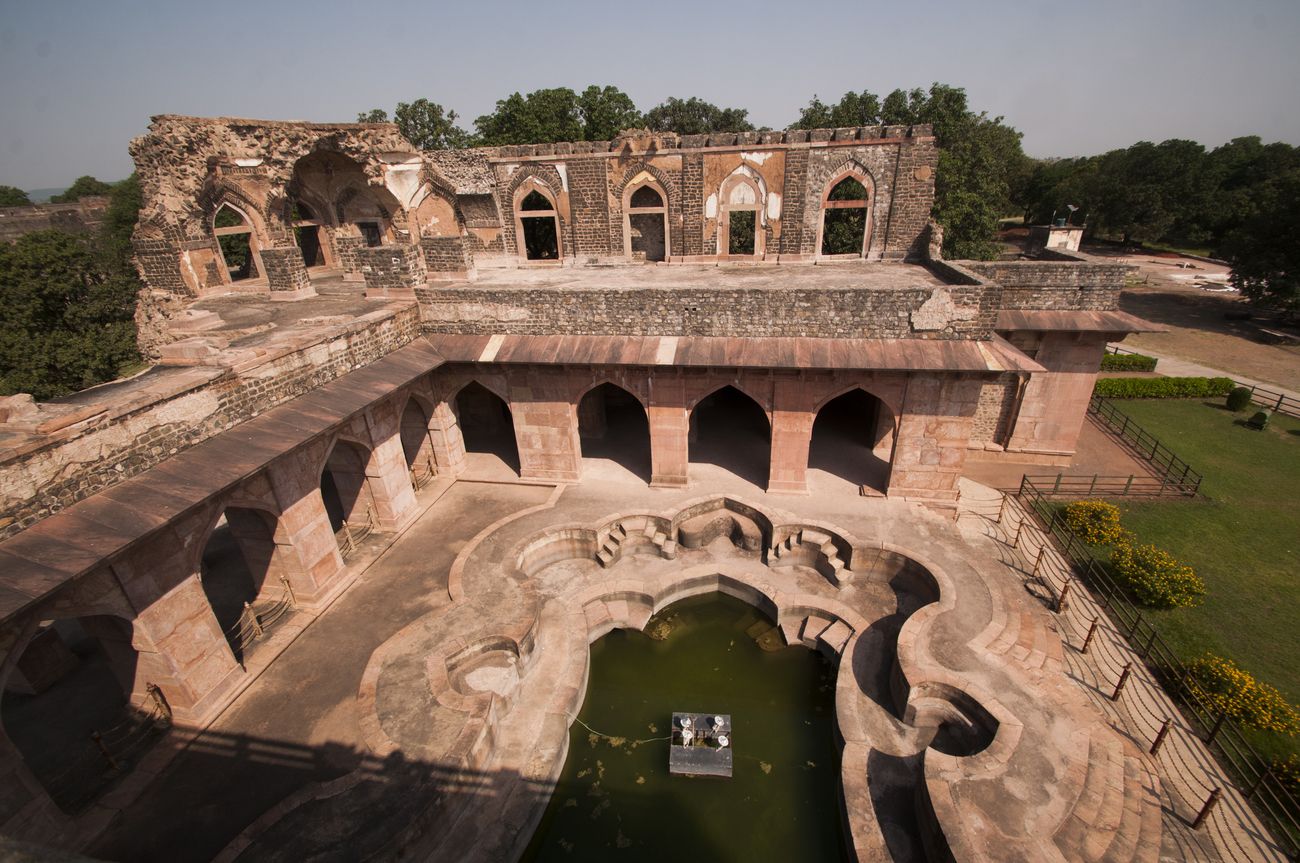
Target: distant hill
42 196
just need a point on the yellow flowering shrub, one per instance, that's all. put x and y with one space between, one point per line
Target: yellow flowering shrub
1237 693
1154 577
1287 771
1095 522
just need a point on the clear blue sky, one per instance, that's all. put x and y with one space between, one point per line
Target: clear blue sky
79 79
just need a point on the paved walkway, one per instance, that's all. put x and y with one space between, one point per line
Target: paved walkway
1188 771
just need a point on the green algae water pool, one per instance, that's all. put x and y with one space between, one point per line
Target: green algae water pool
616 799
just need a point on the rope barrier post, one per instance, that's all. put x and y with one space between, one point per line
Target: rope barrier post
1254 786
1002 508
1019 527
1061 604
103 750
1160 737
1038 561
288 591
1092 630
163 707
1218 726
1123 681
252 619
1207 808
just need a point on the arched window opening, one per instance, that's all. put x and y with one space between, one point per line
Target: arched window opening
646 225
486 425
241 563
235 239
307 234
538 225
416 445
74 679
345 488
846 218
852 439
614 432
729 429
740 224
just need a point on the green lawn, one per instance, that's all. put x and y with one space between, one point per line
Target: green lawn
1243 539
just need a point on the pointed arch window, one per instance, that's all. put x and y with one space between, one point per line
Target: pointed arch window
537 224
237 244
846 217
740 223
645 221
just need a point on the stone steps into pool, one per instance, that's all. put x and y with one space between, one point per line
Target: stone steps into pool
825 557
1116 817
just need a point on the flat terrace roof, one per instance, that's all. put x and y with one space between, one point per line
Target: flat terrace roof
847 275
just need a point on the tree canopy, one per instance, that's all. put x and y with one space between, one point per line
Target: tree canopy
540 117
694 116
68 319
425 124
82 187
1264 249
605 112
12 196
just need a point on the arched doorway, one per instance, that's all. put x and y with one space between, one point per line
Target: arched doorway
645 227
729 429
344 486
74 679
537 224
237 243
852 439
416 445
613 427
240 564
740 221
307 233
846 217
486 424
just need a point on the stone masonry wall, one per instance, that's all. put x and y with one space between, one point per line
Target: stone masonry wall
993 412
79 217
1055 285
285 270
446 254
80 461
392 268
732 312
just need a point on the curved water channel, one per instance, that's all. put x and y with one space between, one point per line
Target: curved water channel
710 654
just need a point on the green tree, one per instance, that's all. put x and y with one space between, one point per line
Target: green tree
66 324
425 125
605 112
694 116
81 188
12 196
543 116
853 109
374 115
1265 249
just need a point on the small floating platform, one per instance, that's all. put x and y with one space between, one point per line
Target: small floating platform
701 745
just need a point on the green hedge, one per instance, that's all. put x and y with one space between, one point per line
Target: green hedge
1162 388
1127 363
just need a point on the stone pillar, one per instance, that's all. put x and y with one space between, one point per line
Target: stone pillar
286 274
191 660
1055 402
305 524
934 430
792 422
178 641
390 484
448 444
546 433
392 271
669 430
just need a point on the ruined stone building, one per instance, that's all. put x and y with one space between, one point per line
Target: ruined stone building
526 295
